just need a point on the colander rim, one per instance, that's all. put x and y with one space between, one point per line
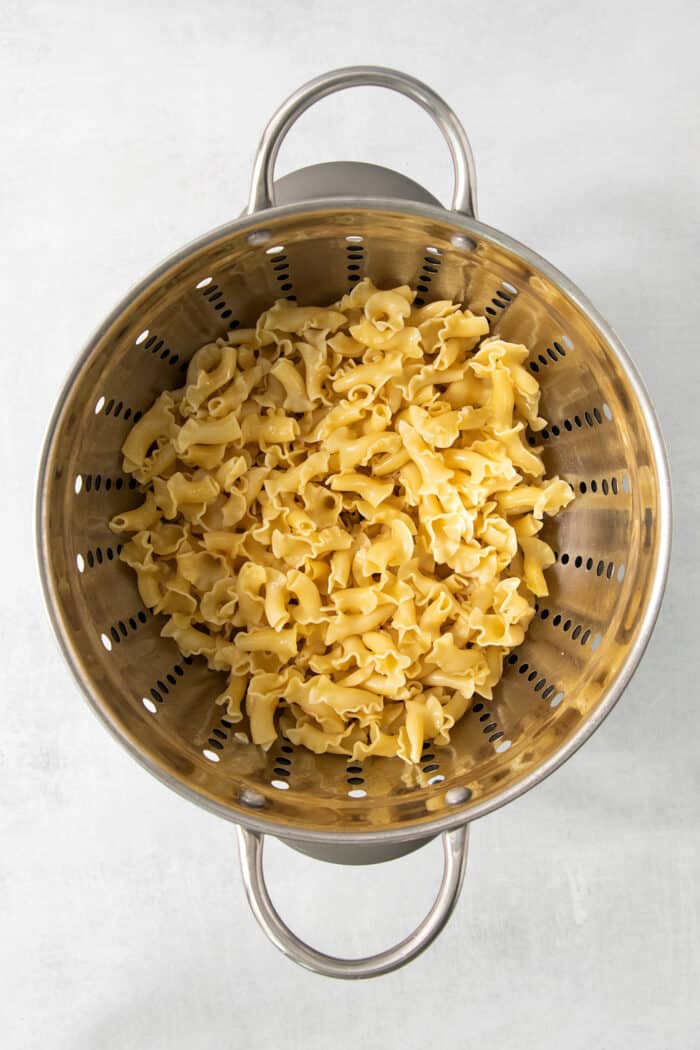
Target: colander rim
421 828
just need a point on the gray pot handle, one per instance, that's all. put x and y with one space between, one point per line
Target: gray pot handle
262 193
250 845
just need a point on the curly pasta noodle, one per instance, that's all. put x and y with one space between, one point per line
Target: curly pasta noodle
341 513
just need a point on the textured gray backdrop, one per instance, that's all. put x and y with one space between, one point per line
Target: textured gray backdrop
129 128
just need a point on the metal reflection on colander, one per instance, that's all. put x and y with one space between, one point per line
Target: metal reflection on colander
310 236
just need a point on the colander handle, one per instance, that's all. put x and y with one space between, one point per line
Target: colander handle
250 845
262 193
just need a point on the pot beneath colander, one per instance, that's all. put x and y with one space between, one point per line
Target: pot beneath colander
338 223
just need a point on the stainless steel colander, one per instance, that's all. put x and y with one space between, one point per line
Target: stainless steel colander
309 237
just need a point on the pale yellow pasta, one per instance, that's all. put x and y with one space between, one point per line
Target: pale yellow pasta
341 512
207 432
158 422
209 369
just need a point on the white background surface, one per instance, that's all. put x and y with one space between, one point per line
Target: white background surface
129 128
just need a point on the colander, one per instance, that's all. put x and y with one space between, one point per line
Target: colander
310 237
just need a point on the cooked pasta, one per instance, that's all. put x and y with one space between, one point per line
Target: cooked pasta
341 512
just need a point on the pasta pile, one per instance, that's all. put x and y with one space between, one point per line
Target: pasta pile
341 512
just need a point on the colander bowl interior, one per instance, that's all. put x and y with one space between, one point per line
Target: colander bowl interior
611 543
